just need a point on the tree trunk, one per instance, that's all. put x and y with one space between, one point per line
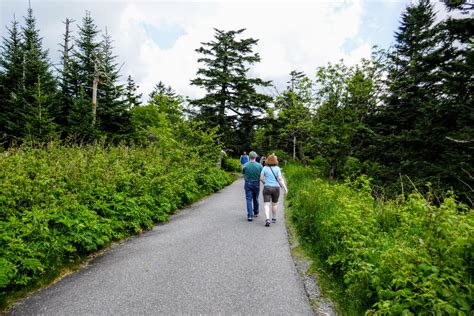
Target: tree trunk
94 99
294 147
66 47
332 171
299 150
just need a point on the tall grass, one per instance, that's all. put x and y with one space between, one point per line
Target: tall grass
398 257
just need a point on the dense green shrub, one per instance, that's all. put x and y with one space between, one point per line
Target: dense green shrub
231 164
399 257
59 204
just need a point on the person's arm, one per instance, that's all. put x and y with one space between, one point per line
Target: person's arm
283 184
262 177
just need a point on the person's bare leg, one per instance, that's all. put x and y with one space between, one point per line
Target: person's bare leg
274 210
267 210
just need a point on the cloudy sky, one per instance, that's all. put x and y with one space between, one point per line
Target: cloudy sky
156 40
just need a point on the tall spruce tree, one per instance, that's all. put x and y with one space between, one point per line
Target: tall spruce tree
80 72
231 101
454 113
38 87
11 74
425 126
39 123
112 113
132 98
167 102
405 145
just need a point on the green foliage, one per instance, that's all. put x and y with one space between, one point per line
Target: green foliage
113 118
231 102
288 123
424 127
402 257
10 82
39 123
231 164
62 203
281 155
345 97
132 98
28 89
167 102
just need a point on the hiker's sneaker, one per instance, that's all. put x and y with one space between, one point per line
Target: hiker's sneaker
267 223
255 214
250 219
274 220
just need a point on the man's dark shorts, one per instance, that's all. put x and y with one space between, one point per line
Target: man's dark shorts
271 193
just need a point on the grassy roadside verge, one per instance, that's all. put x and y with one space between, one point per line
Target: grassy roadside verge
318 285
399 257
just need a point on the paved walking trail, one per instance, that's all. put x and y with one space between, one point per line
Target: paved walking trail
207 260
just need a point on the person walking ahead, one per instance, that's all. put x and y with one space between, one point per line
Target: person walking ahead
251 173
244 158
272 180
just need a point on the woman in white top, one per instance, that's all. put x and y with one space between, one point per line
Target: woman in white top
272 180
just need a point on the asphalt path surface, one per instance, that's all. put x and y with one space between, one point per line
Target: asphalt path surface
207 260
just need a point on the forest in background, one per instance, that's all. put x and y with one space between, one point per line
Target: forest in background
404 117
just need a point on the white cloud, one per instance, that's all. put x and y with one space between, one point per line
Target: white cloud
299 35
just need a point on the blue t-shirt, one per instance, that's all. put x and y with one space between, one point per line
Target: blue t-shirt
244 159
270 179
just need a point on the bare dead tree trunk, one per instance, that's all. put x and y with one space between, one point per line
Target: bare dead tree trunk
95 83
66 48
294 147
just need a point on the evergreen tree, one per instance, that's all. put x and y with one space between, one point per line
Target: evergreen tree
464 5
454 113
405 146
231 102
81 72
425 126
84 55
132 99
36 86
39 123
294 115
112 113
160 89
80 125
11 74
167 102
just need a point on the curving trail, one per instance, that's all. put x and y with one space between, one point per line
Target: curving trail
207 260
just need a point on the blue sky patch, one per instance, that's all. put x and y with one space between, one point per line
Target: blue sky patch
380 23
164 35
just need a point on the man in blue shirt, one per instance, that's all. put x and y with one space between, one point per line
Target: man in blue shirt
244 159
251 173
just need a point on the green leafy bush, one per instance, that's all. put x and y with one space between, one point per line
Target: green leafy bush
281 155
400 257
231 164
59 204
